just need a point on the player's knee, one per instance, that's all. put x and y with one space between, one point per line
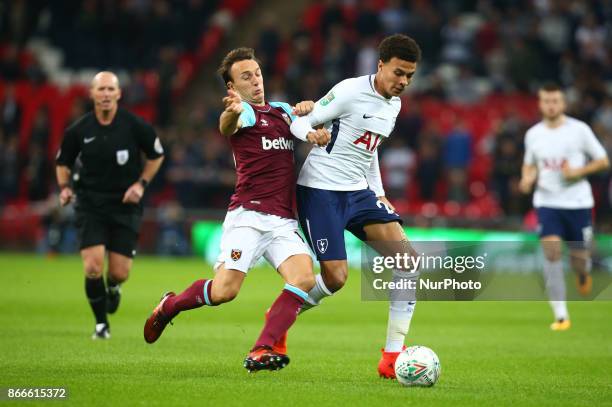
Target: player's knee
552 254
335 278
551 249
93 268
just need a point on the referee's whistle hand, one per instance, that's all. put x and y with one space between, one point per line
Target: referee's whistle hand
133 194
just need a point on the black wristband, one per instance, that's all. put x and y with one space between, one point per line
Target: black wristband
144 182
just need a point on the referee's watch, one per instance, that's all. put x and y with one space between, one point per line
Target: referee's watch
144 182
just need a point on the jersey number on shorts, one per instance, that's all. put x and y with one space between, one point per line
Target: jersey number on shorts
381 205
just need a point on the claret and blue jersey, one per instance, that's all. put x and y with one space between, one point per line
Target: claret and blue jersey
263 152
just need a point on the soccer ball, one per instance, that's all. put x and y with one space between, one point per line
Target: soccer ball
417 366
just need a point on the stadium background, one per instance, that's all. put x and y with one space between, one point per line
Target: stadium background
454 158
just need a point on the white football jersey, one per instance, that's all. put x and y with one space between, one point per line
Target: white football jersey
548 149
359 119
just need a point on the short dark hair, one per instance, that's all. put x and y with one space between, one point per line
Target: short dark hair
235 55
399 46
551 87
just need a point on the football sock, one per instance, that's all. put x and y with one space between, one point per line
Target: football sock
282 315
555 286
400 315
401 309
96 295
195 296
113 286
316 294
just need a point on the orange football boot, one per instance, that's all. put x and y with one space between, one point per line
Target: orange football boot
386 365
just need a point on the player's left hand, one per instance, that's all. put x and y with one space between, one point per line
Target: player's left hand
570 174
134 194
303 108
319 137
384 200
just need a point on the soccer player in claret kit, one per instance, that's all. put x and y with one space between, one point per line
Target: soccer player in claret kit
260 220
111 183
560 152
340 187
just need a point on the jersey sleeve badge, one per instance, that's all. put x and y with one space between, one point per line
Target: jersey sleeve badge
327 99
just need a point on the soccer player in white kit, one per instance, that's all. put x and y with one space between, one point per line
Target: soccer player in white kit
560 152
340 187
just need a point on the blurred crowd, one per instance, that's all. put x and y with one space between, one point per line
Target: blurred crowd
478 56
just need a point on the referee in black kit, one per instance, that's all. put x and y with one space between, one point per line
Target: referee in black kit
110 187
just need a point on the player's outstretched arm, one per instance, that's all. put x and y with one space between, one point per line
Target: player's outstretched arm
229 122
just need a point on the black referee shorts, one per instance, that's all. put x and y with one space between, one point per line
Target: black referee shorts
118 232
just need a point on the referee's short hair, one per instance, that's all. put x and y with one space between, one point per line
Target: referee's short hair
551 87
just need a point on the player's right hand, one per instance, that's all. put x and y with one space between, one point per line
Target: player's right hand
233 102
303 108
66 196
319 137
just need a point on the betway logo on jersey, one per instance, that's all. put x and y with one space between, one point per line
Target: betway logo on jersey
276 144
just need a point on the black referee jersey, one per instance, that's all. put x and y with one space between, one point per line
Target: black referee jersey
111 158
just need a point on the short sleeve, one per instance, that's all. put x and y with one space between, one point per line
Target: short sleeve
247 117
148 141
69 149
529 158
592 146
286 108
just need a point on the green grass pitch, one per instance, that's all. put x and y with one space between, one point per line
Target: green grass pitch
492 353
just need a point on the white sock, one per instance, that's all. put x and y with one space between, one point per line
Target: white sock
318 292
400 315
560 310
555 286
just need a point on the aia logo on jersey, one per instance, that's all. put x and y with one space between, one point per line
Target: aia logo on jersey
276 144
236 254
322 245
371 141
264 123
553 164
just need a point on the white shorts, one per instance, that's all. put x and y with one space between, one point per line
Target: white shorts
248 235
